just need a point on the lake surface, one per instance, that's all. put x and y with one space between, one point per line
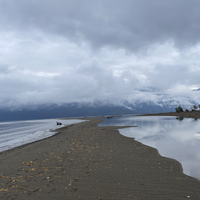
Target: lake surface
175 138
17 133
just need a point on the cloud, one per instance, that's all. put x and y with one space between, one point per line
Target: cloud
65 51
128 24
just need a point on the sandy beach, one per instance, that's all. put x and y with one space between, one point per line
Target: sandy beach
84 161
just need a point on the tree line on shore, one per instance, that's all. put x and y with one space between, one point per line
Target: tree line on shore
193 108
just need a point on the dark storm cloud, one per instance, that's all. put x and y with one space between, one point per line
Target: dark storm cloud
129 24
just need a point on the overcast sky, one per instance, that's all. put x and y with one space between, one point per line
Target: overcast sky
60 51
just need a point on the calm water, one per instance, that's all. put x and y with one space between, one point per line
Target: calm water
16 133
173 137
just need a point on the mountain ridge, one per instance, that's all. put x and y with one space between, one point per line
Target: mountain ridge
97 108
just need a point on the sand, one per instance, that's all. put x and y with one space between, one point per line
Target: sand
84 161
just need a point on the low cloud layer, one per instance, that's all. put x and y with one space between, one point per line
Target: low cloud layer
81 51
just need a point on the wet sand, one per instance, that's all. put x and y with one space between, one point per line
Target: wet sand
84 161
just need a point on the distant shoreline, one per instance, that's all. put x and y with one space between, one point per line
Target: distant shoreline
188 114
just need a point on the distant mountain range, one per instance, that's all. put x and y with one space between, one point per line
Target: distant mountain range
97 108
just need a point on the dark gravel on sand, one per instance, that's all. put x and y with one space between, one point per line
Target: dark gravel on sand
85 161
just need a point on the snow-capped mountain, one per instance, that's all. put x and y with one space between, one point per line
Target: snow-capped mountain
97 108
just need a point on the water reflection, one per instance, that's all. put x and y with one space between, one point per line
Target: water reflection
176 138
180 118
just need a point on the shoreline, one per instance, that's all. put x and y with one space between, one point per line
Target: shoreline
48 132
23 145
188 114
85 161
